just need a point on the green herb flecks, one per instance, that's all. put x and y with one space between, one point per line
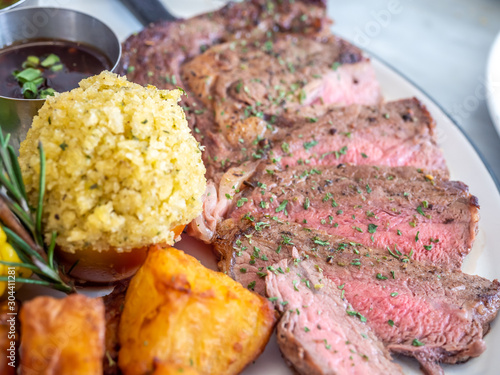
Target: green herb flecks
309 145
417 342
355 313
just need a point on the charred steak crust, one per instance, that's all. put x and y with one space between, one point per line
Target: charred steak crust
419 310
409 210
162 48
314 321
250 69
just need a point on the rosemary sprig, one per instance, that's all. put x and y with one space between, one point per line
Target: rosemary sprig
23 224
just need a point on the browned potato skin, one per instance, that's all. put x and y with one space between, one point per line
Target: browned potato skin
179 313
7 338
62 336
174 369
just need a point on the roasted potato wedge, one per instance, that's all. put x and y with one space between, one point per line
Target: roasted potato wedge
62 336
179 314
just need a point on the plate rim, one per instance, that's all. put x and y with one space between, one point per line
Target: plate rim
494 111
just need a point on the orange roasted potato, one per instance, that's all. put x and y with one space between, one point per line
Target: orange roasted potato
175 369
62 336
180 315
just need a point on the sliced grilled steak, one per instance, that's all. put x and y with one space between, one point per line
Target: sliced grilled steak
251 69
419 310
409 211
315 334
399 133
256 88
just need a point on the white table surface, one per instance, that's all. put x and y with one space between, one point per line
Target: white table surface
441 45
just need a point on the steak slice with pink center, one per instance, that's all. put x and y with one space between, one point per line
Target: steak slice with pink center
315 334
403 210
430 313
395 134
399 133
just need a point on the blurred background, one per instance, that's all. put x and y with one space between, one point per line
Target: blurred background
441 45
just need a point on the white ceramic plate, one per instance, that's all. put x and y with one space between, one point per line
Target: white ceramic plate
493 82
464 162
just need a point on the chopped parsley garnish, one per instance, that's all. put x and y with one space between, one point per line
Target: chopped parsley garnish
302 96
355 313
317 241
282 206
238 87
372 228
336 65
287 240
417 342
309 145
390 322
241 202
307 203
285 147
328 347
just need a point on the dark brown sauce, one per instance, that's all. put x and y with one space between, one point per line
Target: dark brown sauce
80 61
